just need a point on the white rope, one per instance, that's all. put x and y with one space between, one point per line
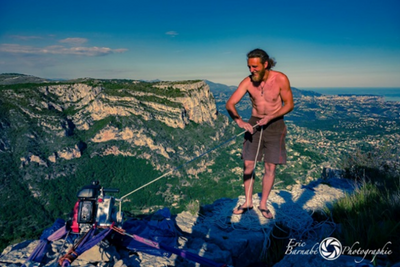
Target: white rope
177 168
253 224
253 175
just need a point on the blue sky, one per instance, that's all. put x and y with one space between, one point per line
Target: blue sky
315 43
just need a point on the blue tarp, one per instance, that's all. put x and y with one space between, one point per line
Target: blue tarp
40 251
159 228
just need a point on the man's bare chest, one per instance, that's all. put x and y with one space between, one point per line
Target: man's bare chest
265 93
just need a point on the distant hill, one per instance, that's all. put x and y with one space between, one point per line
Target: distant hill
299 93
15 78
220 88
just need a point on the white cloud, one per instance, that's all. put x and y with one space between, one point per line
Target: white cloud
60 50
74 41
24 37
172 33
18 49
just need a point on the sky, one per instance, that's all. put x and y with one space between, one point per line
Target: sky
322 43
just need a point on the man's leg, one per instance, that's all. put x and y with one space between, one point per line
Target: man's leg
248 181
267 183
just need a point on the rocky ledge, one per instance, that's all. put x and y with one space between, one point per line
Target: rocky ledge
216 234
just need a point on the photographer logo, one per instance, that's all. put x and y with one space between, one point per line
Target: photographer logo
330 248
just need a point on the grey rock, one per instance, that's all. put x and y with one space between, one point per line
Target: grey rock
100 253
18 253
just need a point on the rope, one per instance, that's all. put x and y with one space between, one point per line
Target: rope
177 168
253 175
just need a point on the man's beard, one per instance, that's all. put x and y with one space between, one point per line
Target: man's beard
258 77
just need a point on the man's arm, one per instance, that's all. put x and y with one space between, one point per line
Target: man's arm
231 106
287 99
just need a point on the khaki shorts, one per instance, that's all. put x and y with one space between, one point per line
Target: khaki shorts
272 145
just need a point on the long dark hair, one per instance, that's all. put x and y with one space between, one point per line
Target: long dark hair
263 56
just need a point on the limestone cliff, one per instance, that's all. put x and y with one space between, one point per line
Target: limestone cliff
64 108
93 103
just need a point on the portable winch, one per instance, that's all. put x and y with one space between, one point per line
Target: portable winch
95 207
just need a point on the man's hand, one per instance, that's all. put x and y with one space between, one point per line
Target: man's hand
264 121
245 125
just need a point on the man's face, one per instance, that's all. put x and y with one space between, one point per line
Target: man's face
256 68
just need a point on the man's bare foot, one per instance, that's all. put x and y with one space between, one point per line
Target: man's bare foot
241 210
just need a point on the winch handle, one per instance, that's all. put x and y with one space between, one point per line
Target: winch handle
110 190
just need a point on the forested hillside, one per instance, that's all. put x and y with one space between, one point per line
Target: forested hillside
56 137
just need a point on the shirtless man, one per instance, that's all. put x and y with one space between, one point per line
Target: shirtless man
272 98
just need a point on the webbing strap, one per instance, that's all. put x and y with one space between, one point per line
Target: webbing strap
180 252
86 243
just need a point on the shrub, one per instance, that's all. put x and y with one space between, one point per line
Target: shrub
371 214
193 207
